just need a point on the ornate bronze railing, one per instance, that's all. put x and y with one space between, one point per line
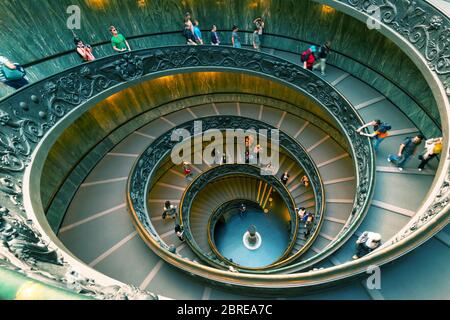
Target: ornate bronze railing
228 170
35 116
147 165
423 32
178 39
418 27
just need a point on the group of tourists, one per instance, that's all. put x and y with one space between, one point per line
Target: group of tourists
118 43
408 148
170 210
193 34
369 241
315 57
307 219
14 75
304 180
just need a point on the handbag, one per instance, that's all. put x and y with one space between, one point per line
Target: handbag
424 156
12 74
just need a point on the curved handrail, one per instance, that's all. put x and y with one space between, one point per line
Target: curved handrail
41 108
217 213
187 235
146 35
351 226
216 173
147 164
427 222
422 30
223 171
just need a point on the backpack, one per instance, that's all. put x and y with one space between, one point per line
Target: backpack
12 74
384 127
305 55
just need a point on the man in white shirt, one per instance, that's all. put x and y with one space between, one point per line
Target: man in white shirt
366 243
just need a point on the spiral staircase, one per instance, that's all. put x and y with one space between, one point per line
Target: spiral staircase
81 205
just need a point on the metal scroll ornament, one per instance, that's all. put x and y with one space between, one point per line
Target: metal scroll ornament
428 30
27 116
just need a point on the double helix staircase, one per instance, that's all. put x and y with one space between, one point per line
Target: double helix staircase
333 162
98 231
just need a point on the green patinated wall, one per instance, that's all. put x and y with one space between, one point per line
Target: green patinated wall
32 29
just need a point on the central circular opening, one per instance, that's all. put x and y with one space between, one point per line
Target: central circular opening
252 239
239 235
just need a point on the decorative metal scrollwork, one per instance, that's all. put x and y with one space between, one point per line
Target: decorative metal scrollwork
428 30
27 116
228 170
149 162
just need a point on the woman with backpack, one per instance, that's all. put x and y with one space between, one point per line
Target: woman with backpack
308 59
380 132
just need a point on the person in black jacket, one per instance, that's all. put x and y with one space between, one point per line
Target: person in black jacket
285 178
179 232
215 41
322 54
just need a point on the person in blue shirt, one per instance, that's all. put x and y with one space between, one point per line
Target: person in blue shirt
188 30
308 219
235 38
406 150
197 33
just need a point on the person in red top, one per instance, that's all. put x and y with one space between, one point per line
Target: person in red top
187 170
308 58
